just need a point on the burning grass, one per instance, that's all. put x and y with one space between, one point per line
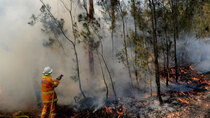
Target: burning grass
190 83
183 100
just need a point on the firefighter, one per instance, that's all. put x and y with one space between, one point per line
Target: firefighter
49 97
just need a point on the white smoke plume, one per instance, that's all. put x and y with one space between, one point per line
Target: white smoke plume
23 57
195 51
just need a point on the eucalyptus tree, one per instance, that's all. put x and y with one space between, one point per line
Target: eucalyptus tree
152 4
57 27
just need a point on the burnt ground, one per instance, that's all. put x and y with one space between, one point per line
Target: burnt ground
199 107
195 105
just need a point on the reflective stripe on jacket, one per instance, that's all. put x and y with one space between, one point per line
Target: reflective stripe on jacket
48 86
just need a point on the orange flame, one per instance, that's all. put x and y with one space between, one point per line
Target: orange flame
149 95
189 82
189 94
204 82
170 79
183 71
182 100
199 93
194 78
172 71
182 93
145 104
108 109
121 111
191 67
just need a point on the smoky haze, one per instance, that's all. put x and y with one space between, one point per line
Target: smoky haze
192 50
23 57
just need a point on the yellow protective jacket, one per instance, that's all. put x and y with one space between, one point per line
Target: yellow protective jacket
48 85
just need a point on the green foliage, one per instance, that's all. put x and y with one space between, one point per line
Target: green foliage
110 9
202 20
121 57
74 77
88 31
49 43
50 26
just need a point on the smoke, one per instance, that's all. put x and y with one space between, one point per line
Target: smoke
18 54
23 57
192 50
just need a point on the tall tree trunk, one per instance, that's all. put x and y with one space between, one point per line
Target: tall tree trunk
113 24
91 10
154 26
75 51
91 57
134 40
125 43
107 68
175 34
164 57
78 71
146 5
102 71
175 57
167 42
126 51
91 40
167 57
72 42
112 83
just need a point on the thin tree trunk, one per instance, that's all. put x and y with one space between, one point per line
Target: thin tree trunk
154 26
73 44
75 51
175 58
112 25
150 79
112 83
78 71
112 37
91 10
167 57
135 33
146 5
125 45
107 90
91 58
126 51
167 42
107 68
174 10
90 15
164 56
91 40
